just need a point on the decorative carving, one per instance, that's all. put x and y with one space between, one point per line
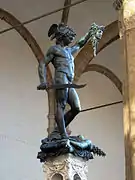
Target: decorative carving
57 177
129 14
67 166
117 4
77 177
126 18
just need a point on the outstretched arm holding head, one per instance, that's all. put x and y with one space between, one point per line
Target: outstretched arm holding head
79 44
94 34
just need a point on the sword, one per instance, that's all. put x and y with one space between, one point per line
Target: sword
60 86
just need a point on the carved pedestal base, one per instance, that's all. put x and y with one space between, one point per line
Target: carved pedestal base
65 167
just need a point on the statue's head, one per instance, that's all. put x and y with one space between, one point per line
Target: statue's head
96 31
62 33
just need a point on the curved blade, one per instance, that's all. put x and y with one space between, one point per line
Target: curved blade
63 86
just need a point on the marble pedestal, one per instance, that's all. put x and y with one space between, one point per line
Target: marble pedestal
65 167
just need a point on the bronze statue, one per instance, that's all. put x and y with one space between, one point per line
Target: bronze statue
61 56
76 145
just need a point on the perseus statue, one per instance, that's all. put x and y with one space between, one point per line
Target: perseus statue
61 56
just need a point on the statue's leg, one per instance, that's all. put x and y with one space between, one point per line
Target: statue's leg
74 102
61 100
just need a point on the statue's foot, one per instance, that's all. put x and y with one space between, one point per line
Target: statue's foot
64 136
55 134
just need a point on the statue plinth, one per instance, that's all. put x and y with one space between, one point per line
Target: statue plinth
65 167
76 145
66 159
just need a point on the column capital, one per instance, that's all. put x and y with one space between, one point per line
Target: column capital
126 16
117 4
128 12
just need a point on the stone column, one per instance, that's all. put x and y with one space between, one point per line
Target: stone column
127 34
66 167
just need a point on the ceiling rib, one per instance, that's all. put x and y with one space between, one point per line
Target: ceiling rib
106 72
42 16
65 13
26 35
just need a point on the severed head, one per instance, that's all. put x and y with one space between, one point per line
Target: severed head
96 33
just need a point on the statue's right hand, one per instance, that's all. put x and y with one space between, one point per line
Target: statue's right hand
42 86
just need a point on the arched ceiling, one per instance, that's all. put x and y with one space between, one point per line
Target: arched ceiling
26 35
106 72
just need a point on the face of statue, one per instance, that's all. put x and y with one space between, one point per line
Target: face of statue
99 34
67 39
64 34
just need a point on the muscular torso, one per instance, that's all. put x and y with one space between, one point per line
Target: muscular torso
63 61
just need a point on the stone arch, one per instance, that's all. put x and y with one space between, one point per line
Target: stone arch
106 72
26 35
34 46
76 177
57 176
